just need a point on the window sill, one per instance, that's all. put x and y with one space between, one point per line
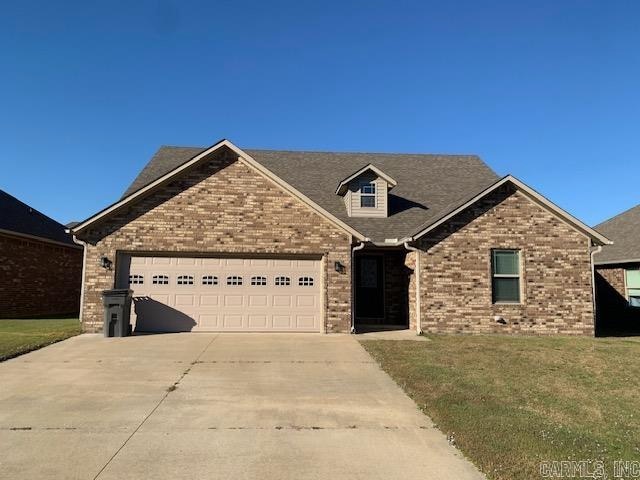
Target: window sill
508 303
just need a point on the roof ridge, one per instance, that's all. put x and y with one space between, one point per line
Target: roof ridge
347 152
334 152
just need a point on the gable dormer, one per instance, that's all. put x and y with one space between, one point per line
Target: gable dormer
365 192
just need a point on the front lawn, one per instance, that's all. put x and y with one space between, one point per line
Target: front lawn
22 336
513 402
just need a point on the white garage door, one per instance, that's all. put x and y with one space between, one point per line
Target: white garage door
225 294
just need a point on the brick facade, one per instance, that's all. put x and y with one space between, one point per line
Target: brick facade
221 207
38 278
613 275
456 271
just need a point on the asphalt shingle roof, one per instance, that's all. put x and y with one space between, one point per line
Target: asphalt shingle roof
16 216
624 231
429 186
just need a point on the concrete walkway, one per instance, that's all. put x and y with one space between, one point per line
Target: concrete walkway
196 406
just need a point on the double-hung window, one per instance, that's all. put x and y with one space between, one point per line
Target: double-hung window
632 281
368 195
505 266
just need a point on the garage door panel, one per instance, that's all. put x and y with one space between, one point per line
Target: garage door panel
305 300
282 321
232 321
185 300
211 262
226 294
185 261
161 261
208 321
209 300
233 300
281 300
258 321
258 301
305 321
234 262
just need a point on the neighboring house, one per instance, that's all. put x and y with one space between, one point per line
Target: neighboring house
40 265
618 272
224 239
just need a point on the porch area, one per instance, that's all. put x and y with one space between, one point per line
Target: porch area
381 290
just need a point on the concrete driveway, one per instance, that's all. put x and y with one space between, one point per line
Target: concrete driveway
195 406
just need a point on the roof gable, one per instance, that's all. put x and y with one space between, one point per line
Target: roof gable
558 212
174 172
344 184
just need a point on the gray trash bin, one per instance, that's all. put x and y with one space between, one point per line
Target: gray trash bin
117 309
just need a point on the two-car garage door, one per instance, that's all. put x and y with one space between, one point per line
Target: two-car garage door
225 294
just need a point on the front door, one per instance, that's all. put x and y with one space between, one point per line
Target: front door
369 289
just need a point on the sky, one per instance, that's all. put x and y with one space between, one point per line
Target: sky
548 91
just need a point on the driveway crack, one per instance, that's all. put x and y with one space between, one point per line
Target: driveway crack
166 394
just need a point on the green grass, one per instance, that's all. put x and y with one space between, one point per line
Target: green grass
22 336
512 402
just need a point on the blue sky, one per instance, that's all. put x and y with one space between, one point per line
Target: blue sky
546 90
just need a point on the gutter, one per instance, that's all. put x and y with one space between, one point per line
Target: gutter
84 266
597 249
418 275
353 284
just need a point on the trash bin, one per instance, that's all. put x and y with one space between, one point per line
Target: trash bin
117 309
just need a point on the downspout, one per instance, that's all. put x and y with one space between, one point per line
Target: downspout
84 266
598 249
418 275
353 284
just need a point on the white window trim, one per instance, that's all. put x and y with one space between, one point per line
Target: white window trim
368 195
627 289
519 276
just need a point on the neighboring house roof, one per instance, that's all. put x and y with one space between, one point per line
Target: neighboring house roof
430 188
343 185
19 218
624 230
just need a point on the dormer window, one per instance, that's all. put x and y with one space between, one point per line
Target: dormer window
365 192
368 195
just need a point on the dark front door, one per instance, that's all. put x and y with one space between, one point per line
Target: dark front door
369 289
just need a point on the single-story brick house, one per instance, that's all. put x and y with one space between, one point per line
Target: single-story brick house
618 273
40 265
227 239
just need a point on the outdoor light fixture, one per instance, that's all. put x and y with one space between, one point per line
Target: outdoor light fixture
339 267
105 262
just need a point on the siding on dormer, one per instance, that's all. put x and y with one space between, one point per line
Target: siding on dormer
352 197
